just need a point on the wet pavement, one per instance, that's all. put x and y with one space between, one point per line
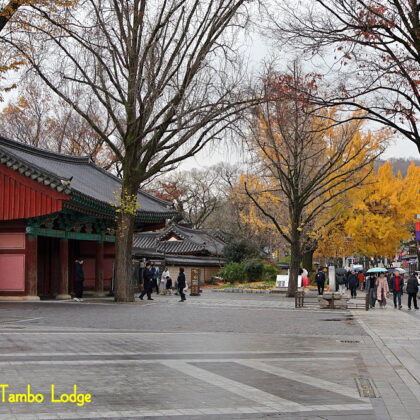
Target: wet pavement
217 356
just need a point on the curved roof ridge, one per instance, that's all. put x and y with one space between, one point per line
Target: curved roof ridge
82 160
43 152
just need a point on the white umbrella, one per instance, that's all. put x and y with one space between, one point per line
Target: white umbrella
400 270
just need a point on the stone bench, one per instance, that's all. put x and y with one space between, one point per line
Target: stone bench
333 301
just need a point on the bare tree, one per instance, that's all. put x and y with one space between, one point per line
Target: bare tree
165 74
303 161
14 15
373 50
37 117
196 194
7 10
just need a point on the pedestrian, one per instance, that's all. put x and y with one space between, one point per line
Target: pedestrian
147 282
80 278
397 284
412 289
371 290
340 279
155 278
168 285
303 273
162 283
382 290
181 284
320 281
361 278
353 283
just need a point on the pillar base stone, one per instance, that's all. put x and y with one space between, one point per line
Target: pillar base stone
31 298
63 297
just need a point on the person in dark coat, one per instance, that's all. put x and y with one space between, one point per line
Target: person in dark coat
320 281
396 287
371 290
80 278
353 283
155 278
181 282
340 279
412 289
147 282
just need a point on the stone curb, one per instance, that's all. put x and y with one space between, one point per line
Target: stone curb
239 290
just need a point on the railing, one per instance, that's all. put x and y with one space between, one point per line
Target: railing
304 300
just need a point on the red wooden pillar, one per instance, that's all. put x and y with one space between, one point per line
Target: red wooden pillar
99 270
63 286
31 268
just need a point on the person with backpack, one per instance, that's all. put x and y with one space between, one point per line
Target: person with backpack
320 281
412 289
340 279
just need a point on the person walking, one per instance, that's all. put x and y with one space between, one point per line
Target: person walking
353 283
181 282
163 279
320 281
397 284
80 278
147 282
340 279
155 278
382 290
412 289
168 285
162 283
361 278
371 290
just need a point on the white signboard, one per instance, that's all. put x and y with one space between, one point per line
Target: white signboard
282 280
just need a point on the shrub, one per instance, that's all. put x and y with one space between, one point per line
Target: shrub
270 273
254 270
238 251
212 281
233 272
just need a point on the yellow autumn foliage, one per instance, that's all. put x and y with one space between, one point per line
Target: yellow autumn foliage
382 212
267 190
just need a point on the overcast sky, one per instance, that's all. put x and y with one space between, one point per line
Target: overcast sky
258 51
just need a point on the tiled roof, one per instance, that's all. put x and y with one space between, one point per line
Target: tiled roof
193 241
70 174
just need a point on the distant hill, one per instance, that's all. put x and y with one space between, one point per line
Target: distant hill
398 164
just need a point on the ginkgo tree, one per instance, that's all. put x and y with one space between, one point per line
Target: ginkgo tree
383 211
303 161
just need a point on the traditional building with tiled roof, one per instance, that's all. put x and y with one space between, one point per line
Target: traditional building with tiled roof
54 208
178 246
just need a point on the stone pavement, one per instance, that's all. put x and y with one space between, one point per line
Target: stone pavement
218 356
393 358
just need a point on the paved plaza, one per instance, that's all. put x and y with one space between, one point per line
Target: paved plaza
217 356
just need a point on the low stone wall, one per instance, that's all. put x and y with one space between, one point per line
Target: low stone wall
240 290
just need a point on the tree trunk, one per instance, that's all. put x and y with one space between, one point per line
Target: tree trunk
124 244
123 249
308 260
295 260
